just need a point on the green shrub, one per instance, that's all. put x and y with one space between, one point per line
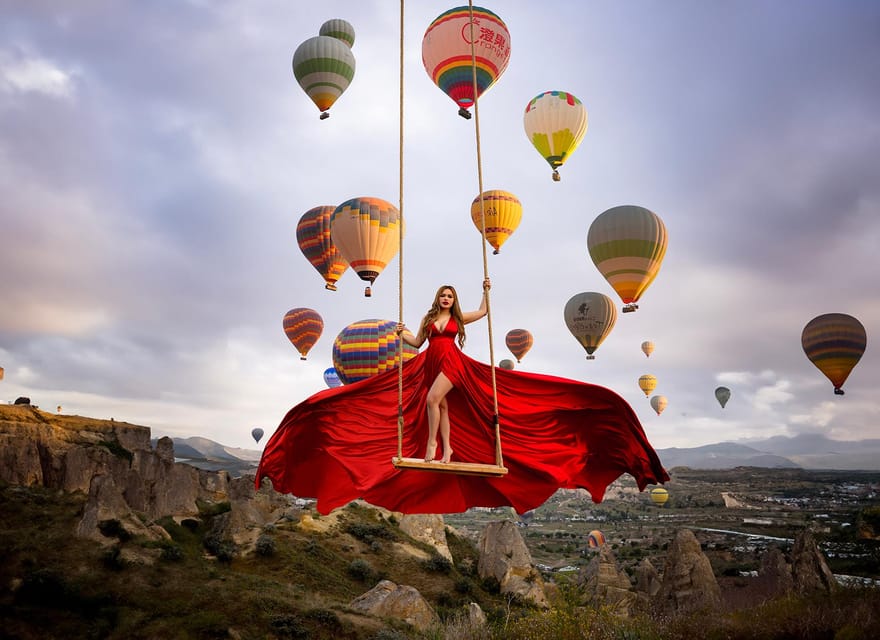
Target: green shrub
360 569
265 546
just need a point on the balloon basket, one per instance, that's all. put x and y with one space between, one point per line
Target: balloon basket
368 292
556 176
324 115
591 357
838 392
330 286
302 357
629 308
464 113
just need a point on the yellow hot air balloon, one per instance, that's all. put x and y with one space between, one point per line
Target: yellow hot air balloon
502 212
590 316
555 123
366 231
627 245
647 383
647 348
659 496
658 404
324 67
834 342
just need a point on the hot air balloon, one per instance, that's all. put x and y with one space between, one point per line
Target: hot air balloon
647 383
2 373
502 212
658 403
555 123
324 65
590 316
595 539
366 232
368 347
303 327
339 29
722 395
448 59
648 348
331 378
519 341
313 238
659 496
627 245
834 342
256 434
507 364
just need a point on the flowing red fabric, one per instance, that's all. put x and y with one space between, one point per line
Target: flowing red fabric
337 445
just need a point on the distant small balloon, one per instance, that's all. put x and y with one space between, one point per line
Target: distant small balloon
507 363
648 348
596 539
722 394
658 404
647 383
659 496
331 378
257 433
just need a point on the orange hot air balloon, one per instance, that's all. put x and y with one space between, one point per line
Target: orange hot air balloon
303 327
447 56
366 231
519 341
502 212
647 348
313 237
1 373
647 383
627 244
595 539
834 342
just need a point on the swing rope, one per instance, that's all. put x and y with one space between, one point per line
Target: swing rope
466 468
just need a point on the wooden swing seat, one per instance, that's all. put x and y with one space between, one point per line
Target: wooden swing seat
458 468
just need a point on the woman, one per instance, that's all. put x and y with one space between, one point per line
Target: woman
443 322
338 444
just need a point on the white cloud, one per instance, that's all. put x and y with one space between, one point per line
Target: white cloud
34 75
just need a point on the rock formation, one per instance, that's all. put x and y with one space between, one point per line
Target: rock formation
389 600
505 557
809 571
605 583
688 581
427 528
647 579
774 574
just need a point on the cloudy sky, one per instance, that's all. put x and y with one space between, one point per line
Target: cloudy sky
155 158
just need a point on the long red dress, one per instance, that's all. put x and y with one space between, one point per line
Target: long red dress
337 445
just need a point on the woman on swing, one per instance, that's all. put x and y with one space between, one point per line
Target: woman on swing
442 325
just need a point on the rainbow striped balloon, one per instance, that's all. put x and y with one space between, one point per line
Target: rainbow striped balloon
303 327
313 237
627 245
834 342
446 53
367 347
596 539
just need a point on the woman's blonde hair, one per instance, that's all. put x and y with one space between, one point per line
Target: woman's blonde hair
434 311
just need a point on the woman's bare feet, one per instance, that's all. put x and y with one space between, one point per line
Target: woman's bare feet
431 452
447 457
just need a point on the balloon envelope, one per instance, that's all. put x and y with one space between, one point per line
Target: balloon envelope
313 238
658 404
627 244
722 394
519 341
647 383
323 67
501 211
507 364
368 347
647 348
303 327
331 378
366 231
446 53
834 342
256 434
659 496
339 29
555 123
595 539
590 316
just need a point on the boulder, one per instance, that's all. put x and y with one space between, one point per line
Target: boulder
427 528
647 579
809 570
774 574
389 600
605 584
688 581
505 557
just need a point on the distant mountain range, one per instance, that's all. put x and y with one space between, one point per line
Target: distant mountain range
808 451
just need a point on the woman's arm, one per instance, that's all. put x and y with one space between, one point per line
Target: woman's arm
407 336
470 316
